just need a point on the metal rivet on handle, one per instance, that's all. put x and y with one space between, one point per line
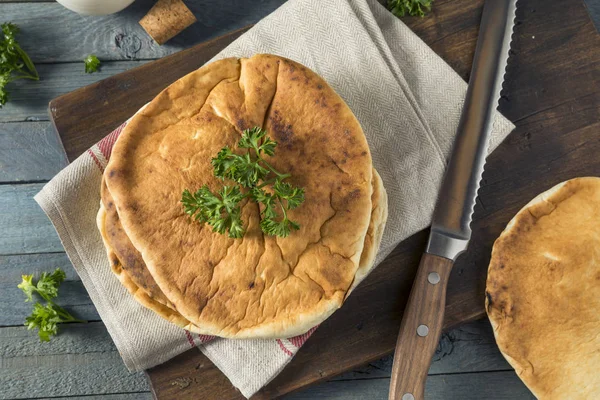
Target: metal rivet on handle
433 278
422 330
408 396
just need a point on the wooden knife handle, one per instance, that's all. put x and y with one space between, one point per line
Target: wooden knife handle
420 328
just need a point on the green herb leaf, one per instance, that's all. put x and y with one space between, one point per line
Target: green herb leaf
27 287
48 284
239 168
278 228
251 138
91 63
45 317
221 211
267 200
401 8
293 195
252 173
14 61
3 93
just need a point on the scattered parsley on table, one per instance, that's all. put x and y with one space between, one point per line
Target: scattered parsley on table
91 63
14 62
45 318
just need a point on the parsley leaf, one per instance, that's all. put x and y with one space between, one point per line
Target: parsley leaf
293 195
254 175
48 283
239 168
91 63
221 211
14 62
45 317
401 8
27 287
278 228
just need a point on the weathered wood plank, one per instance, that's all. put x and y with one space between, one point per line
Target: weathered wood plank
503 385
73 295
119 36
29 151
593 7
117 98
24 226
29 99
120 396
468 348
82 360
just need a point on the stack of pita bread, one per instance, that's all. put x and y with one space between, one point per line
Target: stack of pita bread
258 286
543 292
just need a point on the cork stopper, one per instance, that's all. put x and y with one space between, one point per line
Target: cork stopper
166 19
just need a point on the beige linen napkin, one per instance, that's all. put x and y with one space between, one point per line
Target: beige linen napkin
408 101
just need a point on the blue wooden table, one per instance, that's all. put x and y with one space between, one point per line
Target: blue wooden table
82 361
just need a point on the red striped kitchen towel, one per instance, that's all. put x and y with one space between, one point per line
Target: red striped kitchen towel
408 102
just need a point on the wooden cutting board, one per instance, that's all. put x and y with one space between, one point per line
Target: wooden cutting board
552 94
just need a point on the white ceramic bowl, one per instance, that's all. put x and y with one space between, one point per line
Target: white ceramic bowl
95 7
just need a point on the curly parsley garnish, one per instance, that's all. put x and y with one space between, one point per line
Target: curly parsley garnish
14 62
256 180
417 8
91 63
45 317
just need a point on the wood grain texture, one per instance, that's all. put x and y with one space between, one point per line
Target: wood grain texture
30 152
120 396
79 344
424 310
64 366
593 7
551 93
120 36
469 348
29 100
121 96
485 385
14 309
24 226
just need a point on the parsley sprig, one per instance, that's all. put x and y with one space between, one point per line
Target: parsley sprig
45 317
417 8
256 180
14 62
91 63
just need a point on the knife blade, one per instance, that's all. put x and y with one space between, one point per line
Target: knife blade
450 231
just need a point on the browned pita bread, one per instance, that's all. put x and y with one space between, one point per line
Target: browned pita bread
137 290
143 287
123 252
543 292
258 286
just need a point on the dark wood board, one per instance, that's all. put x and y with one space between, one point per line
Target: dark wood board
552 94
83 116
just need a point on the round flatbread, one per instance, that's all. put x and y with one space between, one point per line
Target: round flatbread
143 287
258 286
137 287
543 292
122 252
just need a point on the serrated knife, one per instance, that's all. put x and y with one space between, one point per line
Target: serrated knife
450 231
